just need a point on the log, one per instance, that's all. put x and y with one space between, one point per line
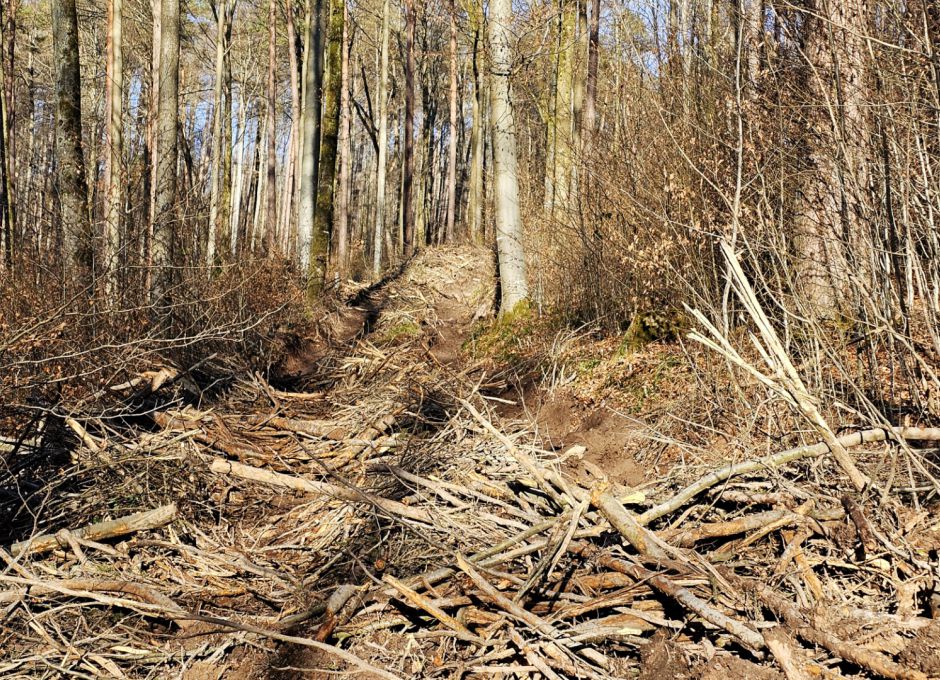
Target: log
112 528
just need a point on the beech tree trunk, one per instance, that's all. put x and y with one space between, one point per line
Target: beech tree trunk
292 177
452 126
589 120
218 137
560 119
509 247
312 251
345 155
115 194
380 170
156 8
475 198
408 152
269 219
71 185
323 217
167 146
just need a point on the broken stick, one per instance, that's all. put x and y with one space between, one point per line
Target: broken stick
112 528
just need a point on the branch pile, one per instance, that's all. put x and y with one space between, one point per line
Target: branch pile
394 526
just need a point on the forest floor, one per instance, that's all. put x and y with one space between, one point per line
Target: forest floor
421 492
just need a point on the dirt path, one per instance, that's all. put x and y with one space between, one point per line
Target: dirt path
367 406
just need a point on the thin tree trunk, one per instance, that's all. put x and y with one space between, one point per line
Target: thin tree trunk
270 212
238 170
323 217
309 248
509 247
218 121
342 199
563 118
168 146
71 185
292 178
152 125
452 126
589 119
408 162
115 194
382 160
477 137
8 110
579 49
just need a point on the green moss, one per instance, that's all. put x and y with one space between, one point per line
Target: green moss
651 327
587 366
504 337
400 332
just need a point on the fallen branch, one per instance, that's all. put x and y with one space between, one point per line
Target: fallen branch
779 459
348 493
417 600
151 602
139 521
751 639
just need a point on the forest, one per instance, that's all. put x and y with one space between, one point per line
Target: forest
470 339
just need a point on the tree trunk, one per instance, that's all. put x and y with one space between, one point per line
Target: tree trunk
153 138
589 121
115 194
452 126
345 153
509 247
831 209
7 126
292 177
323 217
238 172
311 251
7 161
753 29
71 186
382 160
218 121
408 162
270 212
477 138
559 138
168 148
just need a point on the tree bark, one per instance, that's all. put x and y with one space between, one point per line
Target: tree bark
153 138
589 120
408 161
382 160
452 126
477 136
218 121
345 156
509 246
270 212
7 160
323 217
292 177
168 148
830 226
71 185
560 120
312 251
115 194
